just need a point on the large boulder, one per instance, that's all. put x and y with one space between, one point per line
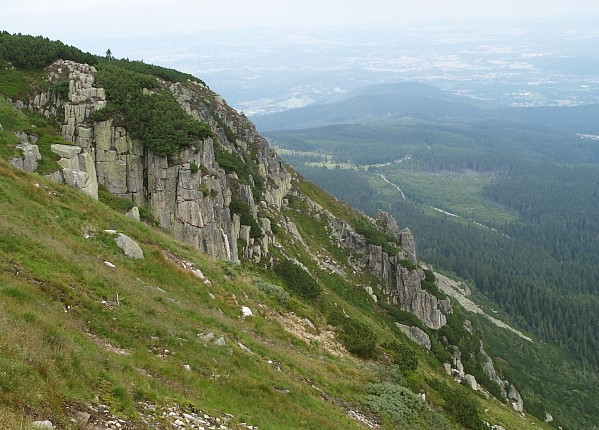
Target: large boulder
129 247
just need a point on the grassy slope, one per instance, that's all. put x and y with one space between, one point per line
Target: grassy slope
56 291
67 341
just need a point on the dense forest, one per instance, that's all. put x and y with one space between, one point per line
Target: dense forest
539 266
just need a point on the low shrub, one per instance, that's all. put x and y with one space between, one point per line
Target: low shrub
296 280
357 337
273 290
246 217
403 356
459 403
429 285
376 237
394 402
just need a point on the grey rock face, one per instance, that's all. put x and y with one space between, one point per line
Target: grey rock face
514 397
399 284
129 247
489 370
78 169
471 380
193 206
31 155
416 334
387 223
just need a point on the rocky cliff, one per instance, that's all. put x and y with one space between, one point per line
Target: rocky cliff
399 274
188 194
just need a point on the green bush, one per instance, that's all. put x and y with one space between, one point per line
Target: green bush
429 285
231 162
408 264
140 67
276 291
147 216
29 52
376 237
157 120
357 337
107 112
403 356
246 170
230 135
60 89
394 402
296 280
114 202
460 403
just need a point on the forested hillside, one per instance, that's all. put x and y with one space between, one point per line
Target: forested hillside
508 205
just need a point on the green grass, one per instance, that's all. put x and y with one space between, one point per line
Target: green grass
54 283
19 84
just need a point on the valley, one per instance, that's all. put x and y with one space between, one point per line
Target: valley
506 204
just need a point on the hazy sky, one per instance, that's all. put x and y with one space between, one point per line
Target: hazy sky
71 20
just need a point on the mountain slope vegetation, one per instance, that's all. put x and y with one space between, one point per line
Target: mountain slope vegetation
108 321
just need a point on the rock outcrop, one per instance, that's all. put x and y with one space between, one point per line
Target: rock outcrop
415 334
515 398
30 153
78 169
189 195
400 282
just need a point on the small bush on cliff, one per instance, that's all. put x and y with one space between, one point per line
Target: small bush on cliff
245 216
374 236
246 170
429 285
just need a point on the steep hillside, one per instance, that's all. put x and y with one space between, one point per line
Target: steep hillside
160 267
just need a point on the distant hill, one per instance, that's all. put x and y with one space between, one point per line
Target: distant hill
410 99
427 103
